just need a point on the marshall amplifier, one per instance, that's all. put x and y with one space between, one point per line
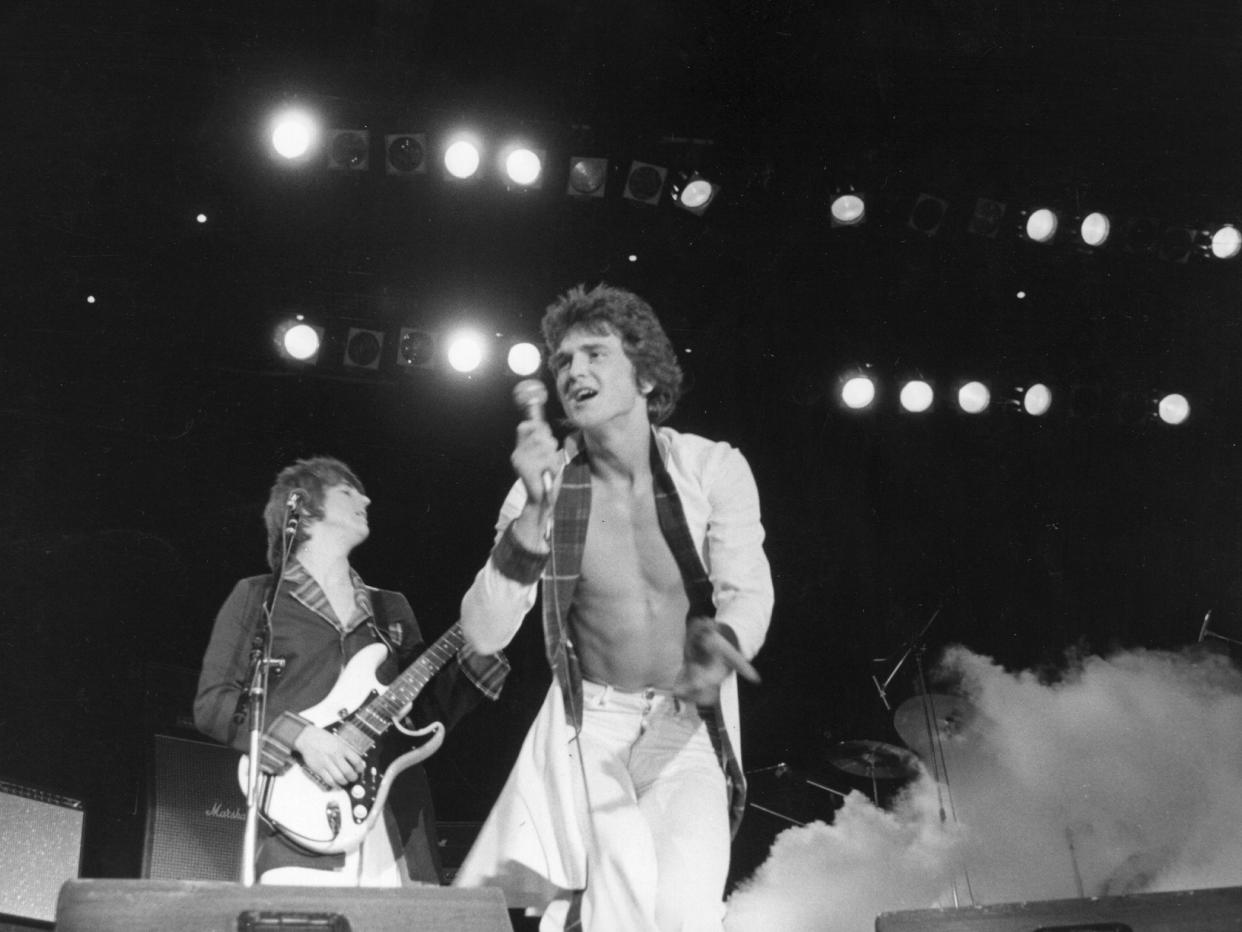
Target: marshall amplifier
41 835
196 812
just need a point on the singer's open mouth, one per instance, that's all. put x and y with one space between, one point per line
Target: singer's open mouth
583 394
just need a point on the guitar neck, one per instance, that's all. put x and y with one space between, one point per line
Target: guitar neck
403 690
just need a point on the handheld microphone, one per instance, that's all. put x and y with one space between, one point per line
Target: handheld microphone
530 395
296 499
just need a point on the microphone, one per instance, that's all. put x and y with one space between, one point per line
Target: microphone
296 499
530 395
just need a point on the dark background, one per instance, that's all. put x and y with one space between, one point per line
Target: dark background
141 433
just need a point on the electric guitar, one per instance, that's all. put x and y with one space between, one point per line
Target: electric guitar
328 819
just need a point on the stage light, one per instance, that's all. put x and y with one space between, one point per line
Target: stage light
588 177
1094 229
524 167
461 159
1173 409
645 182
927 214
986 218
857 392
1041 225
974 397
524 359
1037 399
349 150
200 218
363 348
298 340
405 154
848 210
916 396
294 134
466 350
1226 242
696 194
416 348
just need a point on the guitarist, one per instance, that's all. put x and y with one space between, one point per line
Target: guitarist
322 615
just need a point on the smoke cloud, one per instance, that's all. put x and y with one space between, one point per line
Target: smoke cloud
1110 776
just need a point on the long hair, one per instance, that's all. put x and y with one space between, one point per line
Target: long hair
606 309
312 476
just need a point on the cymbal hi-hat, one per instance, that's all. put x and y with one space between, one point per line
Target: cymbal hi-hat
873 759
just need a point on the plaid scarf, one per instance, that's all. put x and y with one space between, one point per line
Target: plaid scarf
569 530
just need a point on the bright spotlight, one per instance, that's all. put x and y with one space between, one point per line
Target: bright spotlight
298 340
848 210
524 167
465 350
1037 399
1174 409
524 359
461 159
858 392
294 134
1226 242
1095 228
916 396
696 194
974 397
1041 225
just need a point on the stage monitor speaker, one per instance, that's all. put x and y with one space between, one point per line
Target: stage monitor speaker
196 812
40 849
1209 910
204 906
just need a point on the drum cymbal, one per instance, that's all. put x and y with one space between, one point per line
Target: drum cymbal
872 759
950 716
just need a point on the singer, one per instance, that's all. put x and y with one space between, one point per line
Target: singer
323 615
656 594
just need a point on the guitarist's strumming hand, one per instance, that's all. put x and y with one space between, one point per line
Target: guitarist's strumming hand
328 756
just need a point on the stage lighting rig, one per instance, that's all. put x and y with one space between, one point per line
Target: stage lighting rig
694 193
588 177
927 214
405 154
349 150
848 208
645 183
363 348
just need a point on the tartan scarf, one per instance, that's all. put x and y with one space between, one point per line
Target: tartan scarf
569 529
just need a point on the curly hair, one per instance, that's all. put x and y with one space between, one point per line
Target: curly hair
312 476
607 309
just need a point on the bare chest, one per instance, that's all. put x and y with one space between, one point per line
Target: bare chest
625 550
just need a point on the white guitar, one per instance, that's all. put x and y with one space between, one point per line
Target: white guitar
333 820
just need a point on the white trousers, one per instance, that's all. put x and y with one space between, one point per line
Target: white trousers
657 816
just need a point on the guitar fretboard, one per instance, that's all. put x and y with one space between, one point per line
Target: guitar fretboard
377 715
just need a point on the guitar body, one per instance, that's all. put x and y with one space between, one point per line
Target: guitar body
335 820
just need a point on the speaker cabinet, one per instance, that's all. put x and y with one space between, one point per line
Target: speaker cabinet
41 849
196 812
1210 910
157 906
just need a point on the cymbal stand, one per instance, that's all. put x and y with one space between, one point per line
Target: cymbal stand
909 647
940 767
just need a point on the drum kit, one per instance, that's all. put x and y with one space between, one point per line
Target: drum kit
925 723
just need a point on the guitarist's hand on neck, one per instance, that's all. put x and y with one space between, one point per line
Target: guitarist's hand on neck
328 756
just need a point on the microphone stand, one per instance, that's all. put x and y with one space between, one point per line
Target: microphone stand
255 697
